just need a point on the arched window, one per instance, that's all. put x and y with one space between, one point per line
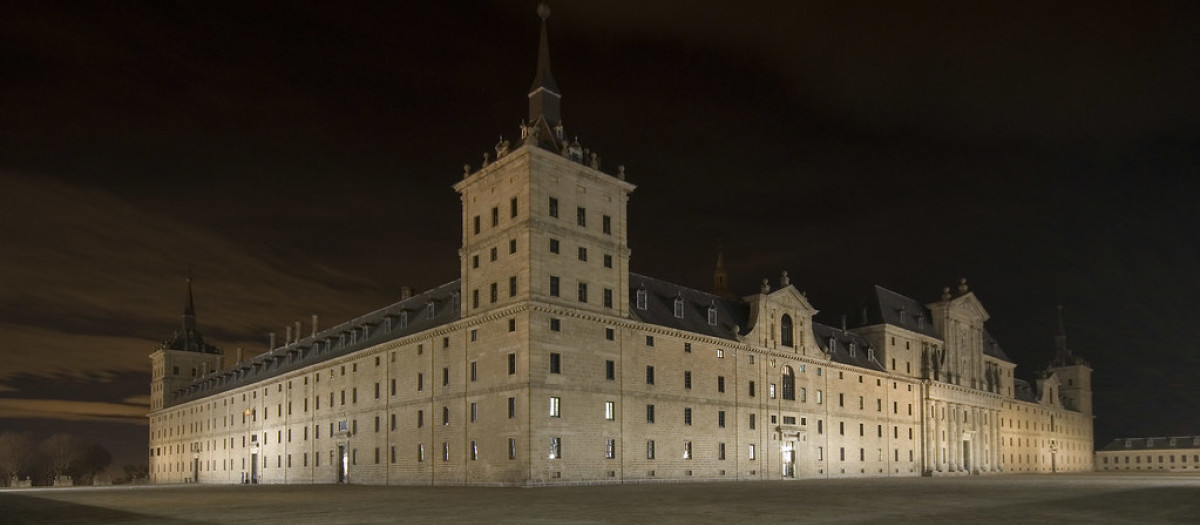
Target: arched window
785 330
789 383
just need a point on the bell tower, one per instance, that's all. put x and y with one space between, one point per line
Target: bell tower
182 358
541 221
1074 374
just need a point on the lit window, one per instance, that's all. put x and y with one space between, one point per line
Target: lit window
687 450
554 407
610 448
555 448
610 410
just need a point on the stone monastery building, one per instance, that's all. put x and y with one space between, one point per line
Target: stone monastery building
547 362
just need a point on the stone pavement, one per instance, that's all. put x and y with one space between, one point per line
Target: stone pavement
1080 498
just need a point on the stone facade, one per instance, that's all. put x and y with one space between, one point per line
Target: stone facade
1161 454
549 362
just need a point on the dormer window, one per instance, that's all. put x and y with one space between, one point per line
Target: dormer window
403 319
641 299
430 309
832 344
712 315
901 314
786 331
870 353
920 321
679 306
852 347
454 296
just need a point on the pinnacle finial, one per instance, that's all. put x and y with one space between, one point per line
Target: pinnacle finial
543 10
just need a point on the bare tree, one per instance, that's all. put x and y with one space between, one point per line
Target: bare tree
17 456
60 452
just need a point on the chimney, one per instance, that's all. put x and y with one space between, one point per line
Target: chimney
314 325
297 331
239 352
287 338
406 292
270 346
843 322
203 369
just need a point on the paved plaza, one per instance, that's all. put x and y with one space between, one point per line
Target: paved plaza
1080 498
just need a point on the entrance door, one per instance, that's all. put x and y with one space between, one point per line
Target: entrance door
343 465
254 468
966 455
788 453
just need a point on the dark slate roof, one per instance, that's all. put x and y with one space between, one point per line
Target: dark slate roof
886 306
1153 443
189 339
992 348
660 308
1023 391
836 343
334 342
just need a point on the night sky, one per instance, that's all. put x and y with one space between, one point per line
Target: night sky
297 157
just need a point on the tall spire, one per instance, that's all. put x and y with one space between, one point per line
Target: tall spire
544 96
720 276
1062 353
189 309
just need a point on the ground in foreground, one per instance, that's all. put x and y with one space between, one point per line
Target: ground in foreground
1079 498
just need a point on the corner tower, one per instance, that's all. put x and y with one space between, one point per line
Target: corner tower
1074 374
182 358
541 221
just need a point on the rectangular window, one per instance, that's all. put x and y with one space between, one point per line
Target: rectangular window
445 376
752 389
553 245
820 396
771 390
581 216
445 415
474 412
475 298
512 286
687 380
583 296
512 407
475 261
649 340
650 449
445 451
553 286
687 416
555 448
512 246
474 450
512 364
493 292
607 261
474 370
720 383
554 407
687 450
512 448
606 224
608 298
512 207
555 363
610 370
553 207
420 454
649 375
649 413
555 325
751 452
610 410
420 418
721 451
803 394
476 221
495 216
721 419
610 448
583 254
